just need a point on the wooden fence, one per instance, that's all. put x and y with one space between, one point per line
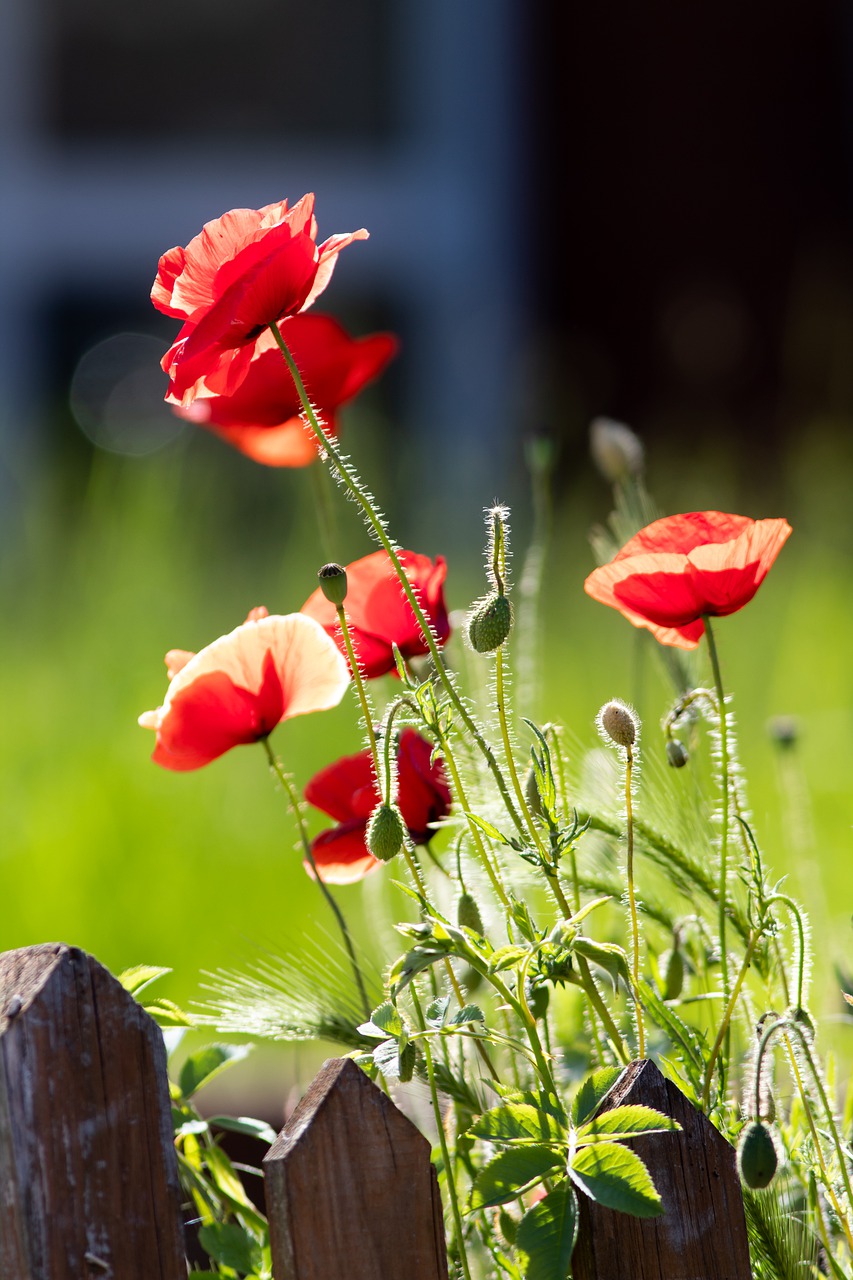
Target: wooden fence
89 1181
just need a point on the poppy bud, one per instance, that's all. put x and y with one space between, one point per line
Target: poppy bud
804 1021
490 623
538 999
406 1059
672 967
333 583
468 913
756 1156
507 1225
620 723
616 451
677 754
531 793
385 832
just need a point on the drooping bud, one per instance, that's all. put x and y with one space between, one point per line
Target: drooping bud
385 832
677 754
333 583
804 1021
616 450
620 723
468 913
531 794
756 1155
538 999
489 623
672 970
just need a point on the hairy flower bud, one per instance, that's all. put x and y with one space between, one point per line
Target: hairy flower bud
619 723
616 450
385 832
490 623
672 972
756 1155
333 582
468 913
677 754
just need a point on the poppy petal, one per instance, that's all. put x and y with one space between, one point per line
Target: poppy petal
341 855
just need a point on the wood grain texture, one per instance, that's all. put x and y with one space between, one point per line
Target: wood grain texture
701 1234
88 1175
351 1192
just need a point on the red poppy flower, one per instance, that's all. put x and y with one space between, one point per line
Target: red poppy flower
347 792
680 568
262 418
239 274
240 687
379 614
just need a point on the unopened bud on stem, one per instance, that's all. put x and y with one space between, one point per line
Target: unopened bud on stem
385 832
333 583
619 723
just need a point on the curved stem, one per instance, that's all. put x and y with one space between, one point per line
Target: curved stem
724 788
354 486
358 681
632 901
296 809
801 938
727 1017
442 1137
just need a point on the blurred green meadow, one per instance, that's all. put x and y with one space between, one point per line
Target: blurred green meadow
118 560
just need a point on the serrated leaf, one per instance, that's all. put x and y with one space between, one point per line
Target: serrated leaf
592 1093
607 955
547 1233
246 1125
231 1246
512 1172
437 1012
541 1101
623 1122
489 830
384 1021
616 1177
522 918
518 1122
167 1014
139 976
413 963
468 1013
201 1066
386 1058
506 957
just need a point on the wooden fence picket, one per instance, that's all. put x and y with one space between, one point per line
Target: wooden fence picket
88 1174
701 1234
351 1192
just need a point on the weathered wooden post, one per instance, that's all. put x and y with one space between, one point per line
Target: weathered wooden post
88 1175
351 1192
701 1234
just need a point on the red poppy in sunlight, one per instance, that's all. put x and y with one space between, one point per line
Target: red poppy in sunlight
239 274
378 612
262 418
679 568
347 792
240 687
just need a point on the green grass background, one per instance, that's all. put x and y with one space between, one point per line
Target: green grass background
119 560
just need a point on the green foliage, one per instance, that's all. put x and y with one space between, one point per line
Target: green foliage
547 1233
615 1177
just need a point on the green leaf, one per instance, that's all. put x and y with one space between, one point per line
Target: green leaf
690 1041
592 1092
510 1173
612 1175
542 1101
490 831
518 1122
231 1246
437 1012
468 1013
202 1066
190 1126
589 907
136 978
522 918
414 962
605 954
167 1014
547 1233
246 1125
506 957
231 1188
384 1021
623 1122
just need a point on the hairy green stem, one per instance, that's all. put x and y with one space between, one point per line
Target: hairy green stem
293 799
727 1017
442 1137
724 789
632 901
364 701
354 486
